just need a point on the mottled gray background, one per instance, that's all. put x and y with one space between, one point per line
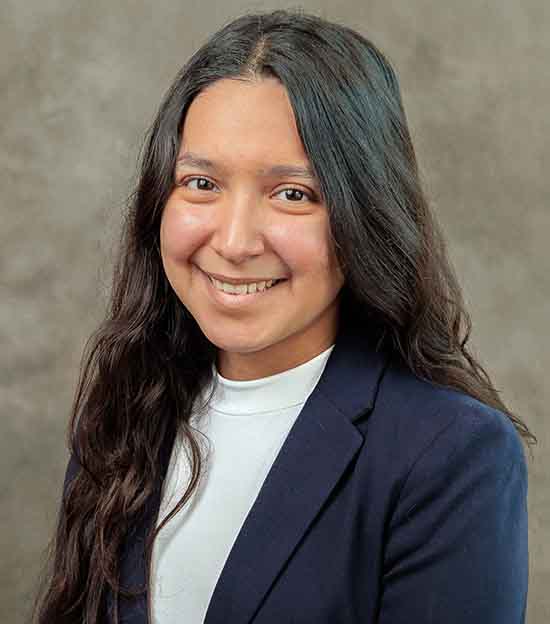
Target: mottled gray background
81 81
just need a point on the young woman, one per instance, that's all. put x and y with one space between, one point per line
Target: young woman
282 389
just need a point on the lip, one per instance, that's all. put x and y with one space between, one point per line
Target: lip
235 301
237 281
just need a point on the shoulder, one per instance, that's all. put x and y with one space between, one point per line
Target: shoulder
418 423
446 481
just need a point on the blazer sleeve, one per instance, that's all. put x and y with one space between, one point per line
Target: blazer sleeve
457 544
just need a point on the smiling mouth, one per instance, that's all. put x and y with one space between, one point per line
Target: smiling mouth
244 289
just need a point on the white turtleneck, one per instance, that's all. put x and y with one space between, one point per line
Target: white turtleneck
246 425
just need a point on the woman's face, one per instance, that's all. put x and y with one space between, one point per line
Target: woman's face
236 211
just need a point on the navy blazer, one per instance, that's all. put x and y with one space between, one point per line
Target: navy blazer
391 501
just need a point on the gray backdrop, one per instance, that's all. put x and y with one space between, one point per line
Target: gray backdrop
81 81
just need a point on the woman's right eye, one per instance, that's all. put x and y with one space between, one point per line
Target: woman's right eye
200 180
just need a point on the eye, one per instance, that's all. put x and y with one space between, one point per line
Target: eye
291 192
201 186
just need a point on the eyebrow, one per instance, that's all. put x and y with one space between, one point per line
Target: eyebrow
296 171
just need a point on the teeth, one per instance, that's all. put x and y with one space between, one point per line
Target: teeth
242 289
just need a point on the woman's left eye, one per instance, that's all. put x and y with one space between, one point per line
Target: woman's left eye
293 191
290 192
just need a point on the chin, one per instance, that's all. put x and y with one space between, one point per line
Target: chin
228 341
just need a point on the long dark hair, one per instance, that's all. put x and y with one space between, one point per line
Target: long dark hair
146 364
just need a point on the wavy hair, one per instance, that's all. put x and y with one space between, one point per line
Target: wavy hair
148 361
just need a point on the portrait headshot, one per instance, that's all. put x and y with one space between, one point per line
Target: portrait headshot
284 361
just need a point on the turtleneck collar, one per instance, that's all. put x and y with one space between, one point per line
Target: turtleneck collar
266 394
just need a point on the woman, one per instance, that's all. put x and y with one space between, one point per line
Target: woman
322 446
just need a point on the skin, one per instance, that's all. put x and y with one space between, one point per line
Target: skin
240 222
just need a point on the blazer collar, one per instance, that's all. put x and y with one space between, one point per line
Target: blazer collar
320 445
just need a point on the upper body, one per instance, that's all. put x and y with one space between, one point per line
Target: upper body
279 212
390 500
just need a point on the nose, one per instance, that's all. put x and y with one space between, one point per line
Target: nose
238 235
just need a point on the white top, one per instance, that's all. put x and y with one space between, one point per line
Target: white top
246 425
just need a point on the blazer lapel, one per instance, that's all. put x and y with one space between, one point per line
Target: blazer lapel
318 449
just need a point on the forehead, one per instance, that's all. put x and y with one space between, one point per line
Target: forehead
237 121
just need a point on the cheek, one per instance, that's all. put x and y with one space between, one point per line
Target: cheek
305 247
181 232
